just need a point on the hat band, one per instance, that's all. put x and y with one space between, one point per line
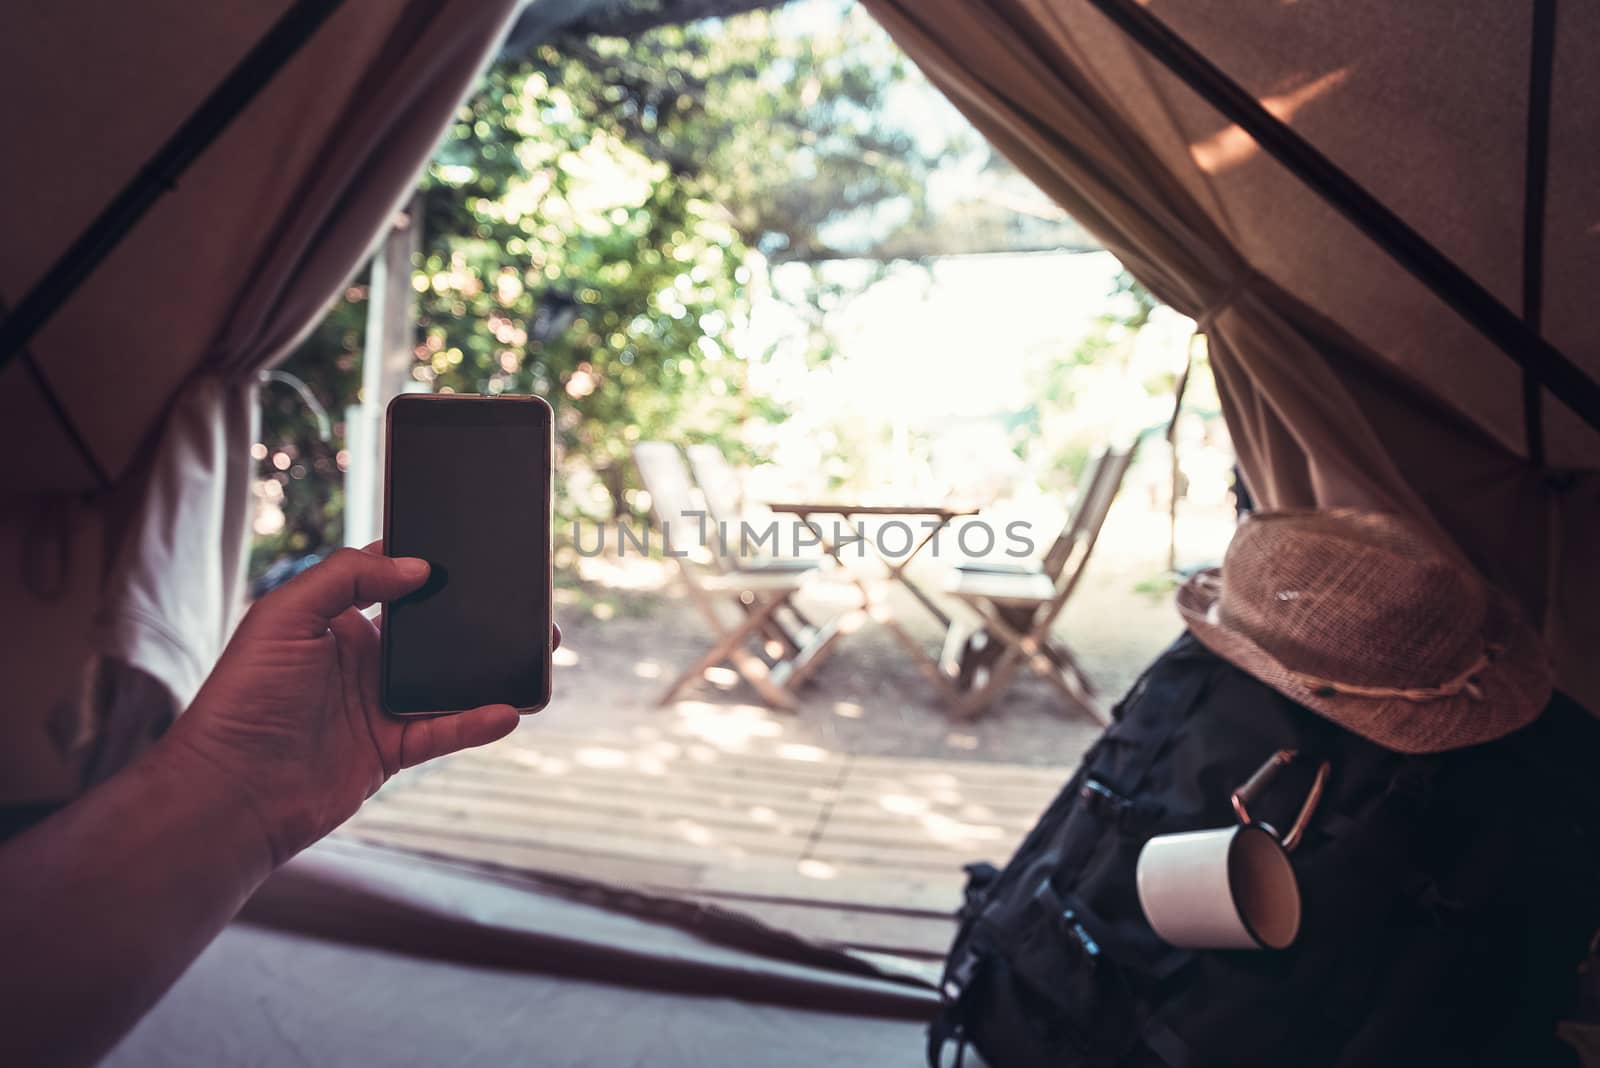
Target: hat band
1466 682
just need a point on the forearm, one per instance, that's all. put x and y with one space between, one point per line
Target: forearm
107 902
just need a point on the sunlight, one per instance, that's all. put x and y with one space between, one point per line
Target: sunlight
726 727
694 832
601 758
1231 146
722 678
934 778
817 869
903 804
647 669
531 758
809 753
944 829
848 710
564 657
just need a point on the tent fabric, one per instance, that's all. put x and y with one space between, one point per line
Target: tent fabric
476 914
265 997
354 954
1344 381
153 360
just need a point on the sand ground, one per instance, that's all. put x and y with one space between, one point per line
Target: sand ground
630 628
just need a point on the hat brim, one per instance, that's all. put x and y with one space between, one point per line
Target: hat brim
1512 689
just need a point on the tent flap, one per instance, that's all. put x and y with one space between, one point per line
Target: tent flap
1345 379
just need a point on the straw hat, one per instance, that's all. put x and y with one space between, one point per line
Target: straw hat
1361 618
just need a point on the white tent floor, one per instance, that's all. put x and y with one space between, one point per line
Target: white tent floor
359 955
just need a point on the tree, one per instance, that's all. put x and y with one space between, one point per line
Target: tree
781 117
589 224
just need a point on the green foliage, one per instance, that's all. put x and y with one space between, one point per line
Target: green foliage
297 470
559 260
782 118
587 231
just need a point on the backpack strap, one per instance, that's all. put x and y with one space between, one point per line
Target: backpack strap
1163 1043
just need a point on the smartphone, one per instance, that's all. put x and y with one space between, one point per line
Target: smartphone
467 488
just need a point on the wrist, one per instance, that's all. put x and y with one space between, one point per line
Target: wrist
218 797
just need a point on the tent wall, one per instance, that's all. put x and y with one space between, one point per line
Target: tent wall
1344 380
154 359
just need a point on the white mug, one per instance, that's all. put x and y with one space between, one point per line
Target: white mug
1231 888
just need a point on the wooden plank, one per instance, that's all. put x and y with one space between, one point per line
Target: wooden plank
935 836
950 791
621 871
905 797
655 740
491 817
686 787
641 846
1037 775
919 936
908 854
615 760
542 798
890 818
936 894
662 752
864 797
894 811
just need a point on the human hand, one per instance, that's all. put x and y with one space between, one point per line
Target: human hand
290 716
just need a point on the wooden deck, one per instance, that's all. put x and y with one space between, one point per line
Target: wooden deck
865 852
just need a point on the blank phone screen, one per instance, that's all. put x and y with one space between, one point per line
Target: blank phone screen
469 491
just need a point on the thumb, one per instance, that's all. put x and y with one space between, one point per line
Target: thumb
437 736
350 578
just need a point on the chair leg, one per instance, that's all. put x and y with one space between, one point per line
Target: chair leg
1062 657
1053 662
1068 680
975 702
730 647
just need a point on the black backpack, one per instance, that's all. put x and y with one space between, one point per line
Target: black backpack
1447 899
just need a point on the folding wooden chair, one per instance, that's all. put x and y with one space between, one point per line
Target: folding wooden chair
718 481
727 504
1017 606
784 656
726 508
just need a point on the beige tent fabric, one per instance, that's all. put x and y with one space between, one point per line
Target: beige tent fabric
222 277
1344 381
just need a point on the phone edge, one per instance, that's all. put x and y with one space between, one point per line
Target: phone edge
549 519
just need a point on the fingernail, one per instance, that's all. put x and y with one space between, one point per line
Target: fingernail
411 568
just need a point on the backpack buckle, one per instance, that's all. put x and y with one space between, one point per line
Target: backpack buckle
1253 787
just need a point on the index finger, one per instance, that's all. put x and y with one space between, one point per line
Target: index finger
350 578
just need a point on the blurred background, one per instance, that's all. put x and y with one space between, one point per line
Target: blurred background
765 231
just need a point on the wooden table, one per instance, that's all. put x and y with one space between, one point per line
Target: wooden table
878 608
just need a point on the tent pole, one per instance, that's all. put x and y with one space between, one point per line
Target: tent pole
386 362
1548 365
161 172
1541 65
